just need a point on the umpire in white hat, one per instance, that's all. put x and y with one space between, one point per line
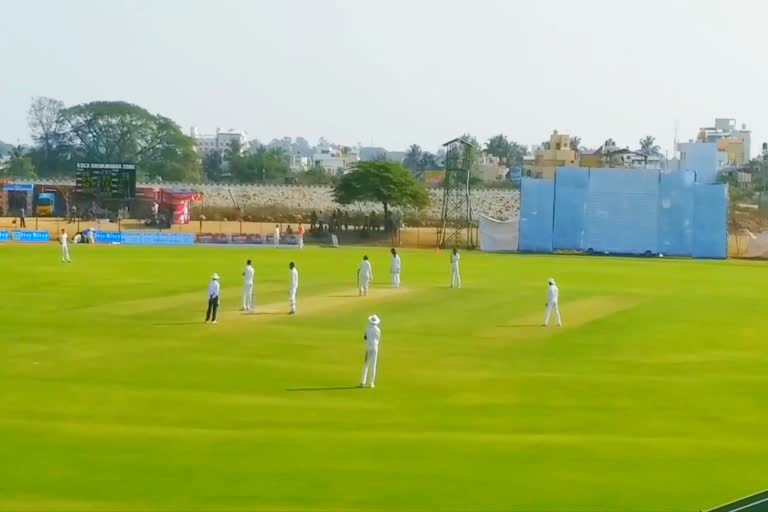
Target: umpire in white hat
214 288
372 338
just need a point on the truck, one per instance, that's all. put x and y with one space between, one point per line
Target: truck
46 202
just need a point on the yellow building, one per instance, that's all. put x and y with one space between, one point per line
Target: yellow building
557 153
591 160
734 148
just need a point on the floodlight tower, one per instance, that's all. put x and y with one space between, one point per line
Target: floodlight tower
456 221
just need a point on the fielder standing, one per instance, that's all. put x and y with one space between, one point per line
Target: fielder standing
300 233
64 247
553 295
214 288
372 338
277 235
395 268
293 287
364 276
455 276
248 274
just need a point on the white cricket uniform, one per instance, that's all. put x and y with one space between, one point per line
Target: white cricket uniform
64 248
395 270
364 277
455 276
277 237
553 295
248 274
372 339
294 288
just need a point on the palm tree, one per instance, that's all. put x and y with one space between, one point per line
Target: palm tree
575 143
412 158
648 147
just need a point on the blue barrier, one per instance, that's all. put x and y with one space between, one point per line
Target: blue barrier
144 238
5 236
676 207
30 236
622 211
536 214
710 221
571 192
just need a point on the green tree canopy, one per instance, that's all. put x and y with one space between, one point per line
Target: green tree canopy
387 183
507 151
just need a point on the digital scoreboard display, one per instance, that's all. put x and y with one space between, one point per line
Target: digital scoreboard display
117 181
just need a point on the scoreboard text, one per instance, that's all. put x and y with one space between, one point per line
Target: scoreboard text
117 181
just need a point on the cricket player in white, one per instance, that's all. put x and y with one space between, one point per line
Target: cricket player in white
553 294
277 235
294 286
364 276
372 338
395 269
64 247
455 276
248 287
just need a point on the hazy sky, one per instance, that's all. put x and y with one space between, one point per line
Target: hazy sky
397 72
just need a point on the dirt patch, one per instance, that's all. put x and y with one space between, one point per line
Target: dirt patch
575 314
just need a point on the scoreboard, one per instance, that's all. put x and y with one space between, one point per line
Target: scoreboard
117 181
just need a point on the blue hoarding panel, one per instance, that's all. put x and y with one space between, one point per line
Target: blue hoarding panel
30 236
5 236
622 211
710 221
144 238
536 215
676 210
571 193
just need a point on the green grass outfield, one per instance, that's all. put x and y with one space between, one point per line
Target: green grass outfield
114 395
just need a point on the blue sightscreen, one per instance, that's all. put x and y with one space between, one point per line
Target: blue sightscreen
536 210
622 211
676 210
571 191
710 221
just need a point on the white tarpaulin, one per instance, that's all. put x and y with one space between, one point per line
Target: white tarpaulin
498 235
757 246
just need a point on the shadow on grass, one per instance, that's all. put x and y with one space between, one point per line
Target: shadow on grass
336 388
265 313
344 295
200 322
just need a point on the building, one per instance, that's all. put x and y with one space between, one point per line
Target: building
553 154
221 141
730 138
298 163
609 155
335 160
490 169
703 158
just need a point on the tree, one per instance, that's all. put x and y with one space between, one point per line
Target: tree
576 143
387 183
22 167
648 148
53 150
315 176
212 166
508 152
108 131
261 165
412 158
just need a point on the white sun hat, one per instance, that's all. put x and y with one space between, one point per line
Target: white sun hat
215 276
374 320
551 280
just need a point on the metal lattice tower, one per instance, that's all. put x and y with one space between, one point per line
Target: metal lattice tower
456 222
